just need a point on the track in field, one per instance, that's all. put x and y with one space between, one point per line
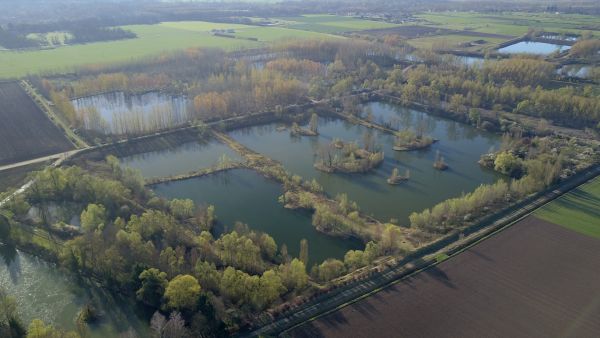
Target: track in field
25 131
534 279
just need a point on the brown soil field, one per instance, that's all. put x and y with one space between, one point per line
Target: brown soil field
534 279
411 32
25 131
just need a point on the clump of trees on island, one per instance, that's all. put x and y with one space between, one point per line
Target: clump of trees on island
348 157
396 178
312 130
409 140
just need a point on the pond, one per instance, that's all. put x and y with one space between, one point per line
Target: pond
460 144
117 112
182 159
531 47
246 196
44 292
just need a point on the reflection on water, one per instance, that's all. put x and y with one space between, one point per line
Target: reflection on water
181 159
45 292
244 195
531 47
118 111
460 144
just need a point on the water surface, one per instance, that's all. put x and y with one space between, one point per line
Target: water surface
246 196
460 144
531 47
42 291
181 159
118 109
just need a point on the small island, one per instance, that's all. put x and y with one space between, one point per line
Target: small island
396 178
409 140
347 159
313 127
439 163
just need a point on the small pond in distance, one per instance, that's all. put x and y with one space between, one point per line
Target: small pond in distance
531 47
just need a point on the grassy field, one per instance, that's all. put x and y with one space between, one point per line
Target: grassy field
579 210
515 24
451 41
152 40
331 23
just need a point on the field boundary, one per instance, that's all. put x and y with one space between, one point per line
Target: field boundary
422 258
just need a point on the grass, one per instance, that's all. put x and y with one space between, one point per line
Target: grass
452 41
331 23
151 40
578 210
515 24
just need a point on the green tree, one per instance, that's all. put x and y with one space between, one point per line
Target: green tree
508 164
183 292
37 329
153 287
93 217
182 208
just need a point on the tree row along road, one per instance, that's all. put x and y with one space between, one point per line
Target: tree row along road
405 268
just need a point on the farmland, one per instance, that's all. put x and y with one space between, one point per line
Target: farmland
578 210
151 40
497 288
514 24
331 23
26 132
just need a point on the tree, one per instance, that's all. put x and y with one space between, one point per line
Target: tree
270 288
37 329
304 251
508 164
182 292
293 274
182 208
93 217
153 287
330 269
314 123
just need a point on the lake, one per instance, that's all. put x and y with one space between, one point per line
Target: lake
246 196
118 111
460 144
42 291
531 47
179 160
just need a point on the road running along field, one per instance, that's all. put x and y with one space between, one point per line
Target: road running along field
151 40
534 279
25 130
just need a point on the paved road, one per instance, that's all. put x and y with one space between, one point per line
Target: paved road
58 156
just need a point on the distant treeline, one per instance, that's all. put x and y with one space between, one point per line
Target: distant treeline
15 36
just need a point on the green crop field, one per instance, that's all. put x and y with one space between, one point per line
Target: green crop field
579 210
452 41
151 40
515 24
331 23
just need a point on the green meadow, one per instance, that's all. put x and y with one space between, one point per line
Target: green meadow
578 210
514 24
151 40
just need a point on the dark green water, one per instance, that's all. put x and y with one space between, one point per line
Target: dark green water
460 144
179 160
246 196
44 292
